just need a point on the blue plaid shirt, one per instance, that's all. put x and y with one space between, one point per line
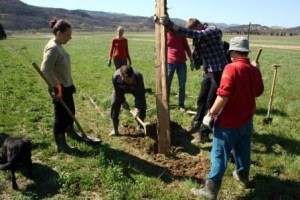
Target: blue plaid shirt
210 47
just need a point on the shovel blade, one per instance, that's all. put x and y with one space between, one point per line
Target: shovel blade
267 120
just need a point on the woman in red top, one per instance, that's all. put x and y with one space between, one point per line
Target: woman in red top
119 50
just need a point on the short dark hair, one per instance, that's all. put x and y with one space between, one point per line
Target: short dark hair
126 70
192 23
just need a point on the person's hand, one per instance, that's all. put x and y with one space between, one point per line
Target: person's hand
109 63
57 93
255 64
165 20
129 62
136 112
192 65
208 120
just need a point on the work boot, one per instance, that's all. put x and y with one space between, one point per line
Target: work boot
243 180
73 134
210 190
62 146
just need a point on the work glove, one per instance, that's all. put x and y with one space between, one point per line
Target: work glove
208 120
109 63
56 92
192 65
255 64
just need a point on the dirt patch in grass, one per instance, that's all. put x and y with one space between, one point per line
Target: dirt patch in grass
184 161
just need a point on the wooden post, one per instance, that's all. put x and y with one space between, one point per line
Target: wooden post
162 106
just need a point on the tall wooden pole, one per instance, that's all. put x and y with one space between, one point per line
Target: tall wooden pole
162 106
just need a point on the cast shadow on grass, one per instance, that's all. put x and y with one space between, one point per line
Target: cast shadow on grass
43 186
276 144
134 165
264 111
272 188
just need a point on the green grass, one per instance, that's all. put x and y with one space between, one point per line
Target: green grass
111 172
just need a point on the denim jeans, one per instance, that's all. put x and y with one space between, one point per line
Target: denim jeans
237 141
180 69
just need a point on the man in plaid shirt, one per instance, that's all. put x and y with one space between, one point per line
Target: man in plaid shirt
210 47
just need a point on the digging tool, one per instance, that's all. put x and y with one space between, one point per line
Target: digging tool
144 124
268 119
83 135
258 55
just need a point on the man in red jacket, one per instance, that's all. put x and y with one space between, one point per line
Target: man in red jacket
232 111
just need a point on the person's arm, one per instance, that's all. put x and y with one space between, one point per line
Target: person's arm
111 51
48 63
219 103
127 53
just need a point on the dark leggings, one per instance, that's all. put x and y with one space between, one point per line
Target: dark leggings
61 117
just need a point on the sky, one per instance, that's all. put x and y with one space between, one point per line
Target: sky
283 13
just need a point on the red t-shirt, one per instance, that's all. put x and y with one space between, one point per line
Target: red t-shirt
119 48
241 82
177 47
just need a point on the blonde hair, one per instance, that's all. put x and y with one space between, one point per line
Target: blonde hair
120 28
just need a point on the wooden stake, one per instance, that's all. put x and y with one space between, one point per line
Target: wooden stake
163 122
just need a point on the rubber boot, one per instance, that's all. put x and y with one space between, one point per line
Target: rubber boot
210 190
62 146
73 134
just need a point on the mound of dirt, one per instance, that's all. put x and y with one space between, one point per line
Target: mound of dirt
184 159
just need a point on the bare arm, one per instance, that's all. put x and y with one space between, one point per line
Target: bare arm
220 102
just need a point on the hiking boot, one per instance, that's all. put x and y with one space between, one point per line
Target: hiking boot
210 190
243 180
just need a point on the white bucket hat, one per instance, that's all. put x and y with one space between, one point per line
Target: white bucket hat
239 44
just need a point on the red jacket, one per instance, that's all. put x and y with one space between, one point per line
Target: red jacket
241 82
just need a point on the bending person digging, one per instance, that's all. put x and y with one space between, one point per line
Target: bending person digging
126 80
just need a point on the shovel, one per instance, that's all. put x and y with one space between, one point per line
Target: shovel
83 135
268 119
144 124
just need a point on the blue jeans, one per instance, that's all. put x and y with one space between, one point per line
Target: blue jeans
237 141
180 69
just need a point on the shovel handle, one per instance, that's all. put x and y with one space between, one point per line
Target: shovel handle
258 55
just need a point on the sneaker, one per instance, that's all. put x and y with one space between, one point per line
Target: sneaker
181 109
197 139
113 133
244 182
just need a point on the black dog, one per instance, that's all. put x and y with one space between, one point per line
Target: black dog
16 151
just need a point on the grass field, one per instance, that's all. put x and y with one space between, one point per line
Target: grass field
116 170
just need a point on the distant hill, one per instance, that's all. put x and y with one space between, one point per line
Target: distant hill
16 15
